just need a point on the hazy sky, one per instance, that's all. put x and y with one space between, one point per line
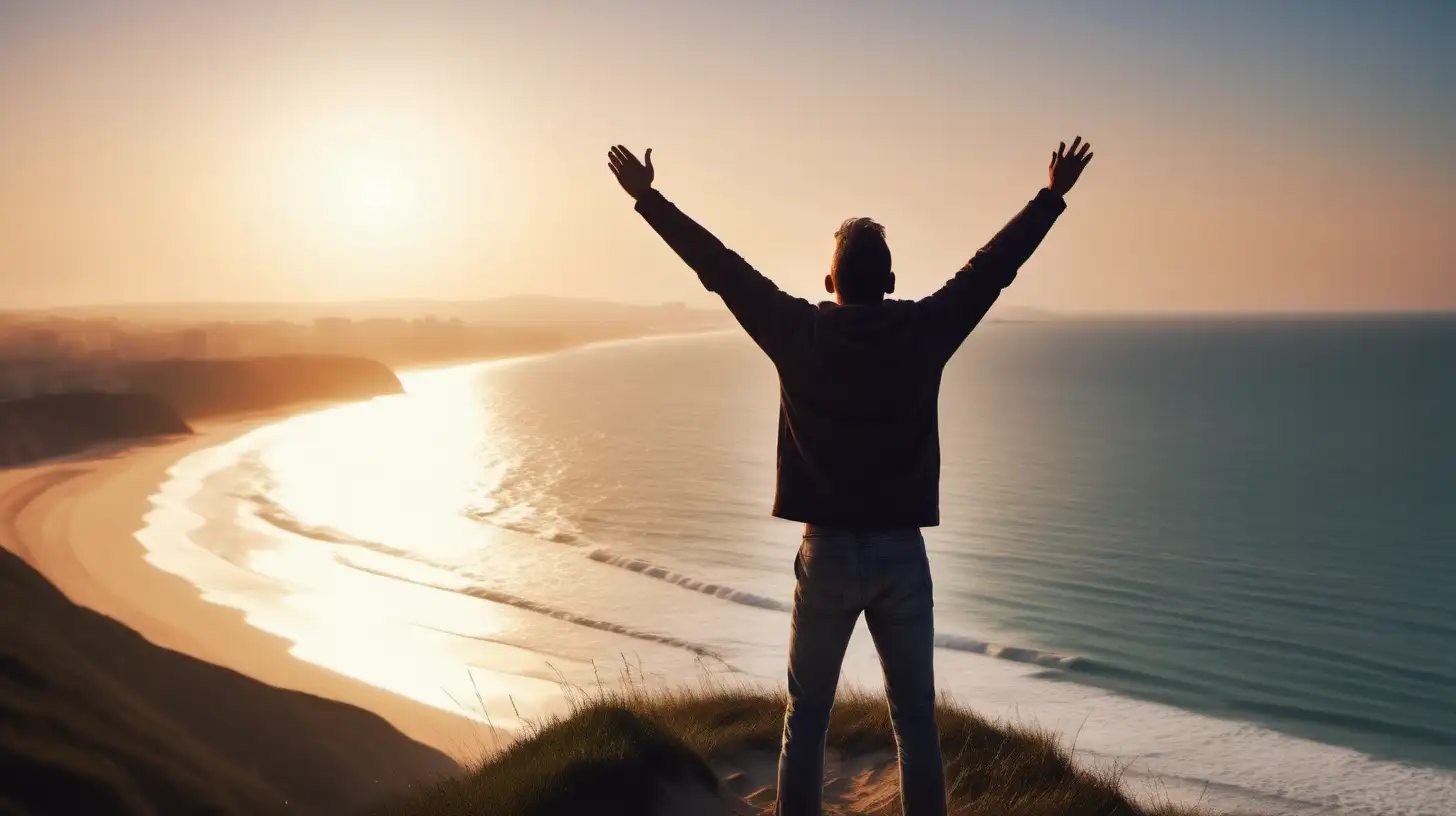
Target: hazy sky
1250 156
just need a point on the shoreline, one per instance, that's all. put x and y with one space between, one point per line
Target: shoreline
427 367
74 519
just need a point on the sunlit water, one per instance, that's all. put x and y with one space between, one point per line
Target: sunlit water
1222 551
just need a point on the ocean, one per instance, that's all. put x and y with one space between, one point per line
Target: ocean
1219 552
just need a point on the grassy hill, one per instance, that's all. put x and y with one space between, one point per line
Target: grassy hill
671 752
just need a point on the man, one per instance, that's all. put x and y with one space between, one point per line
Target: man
859 457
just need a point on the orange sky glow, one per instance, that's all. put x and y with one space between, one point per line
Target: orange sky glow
1247 160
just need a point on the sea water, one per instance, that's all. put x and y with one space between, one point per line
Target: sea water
1220 553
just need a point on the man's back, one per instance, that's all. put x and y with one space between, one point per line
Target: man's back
858 438
858 442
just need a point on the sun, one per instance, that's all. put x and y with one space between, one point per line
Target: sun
365 190
377 196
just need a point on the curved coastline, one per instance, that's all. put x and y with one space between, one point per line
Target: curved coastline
204 645
74 521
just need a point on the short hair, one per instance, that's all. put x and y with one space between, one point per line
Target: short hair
861 266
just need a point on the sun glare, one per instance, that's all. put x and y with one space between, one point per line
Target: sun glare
366 188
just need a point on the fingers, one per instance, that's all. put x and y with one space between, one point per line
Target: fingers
648 157
1080 152
1087 160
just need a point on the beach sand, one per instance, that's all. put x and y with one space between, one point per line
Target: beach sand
73 520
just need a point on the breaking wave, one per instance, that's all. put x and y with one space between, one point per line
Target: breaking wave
271 512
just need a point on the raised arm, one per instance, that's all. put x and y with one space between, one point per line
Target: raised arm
770 316
954 310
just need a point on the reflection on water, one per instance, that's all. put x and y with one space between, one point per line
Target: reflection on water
355 533
436 440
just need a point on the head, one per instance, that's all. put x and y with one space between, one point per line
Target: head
860 272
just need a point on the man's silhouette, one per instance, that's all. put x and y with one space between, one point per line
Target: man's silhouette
859 456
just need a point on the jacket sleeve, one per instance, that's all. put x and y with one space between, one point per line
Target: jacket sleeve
952 312
770 316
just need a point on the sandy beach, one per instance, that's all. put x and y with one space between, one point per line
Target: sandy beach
73 519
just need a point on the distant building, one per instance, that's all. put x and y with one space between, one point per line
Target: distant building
15 381
223 340
29 377
137 346
94 336
42 343
193 343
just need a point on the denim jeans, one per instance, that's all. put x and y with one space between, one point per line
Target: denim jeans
885 575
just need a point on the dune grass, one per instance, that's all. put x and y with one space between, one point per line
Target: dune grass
605 760
617 748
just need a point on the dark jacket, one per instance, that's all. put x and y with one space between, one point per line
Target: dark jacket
859 440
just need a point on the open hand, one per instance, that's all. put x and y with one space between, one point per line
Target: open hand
634 177
1067 165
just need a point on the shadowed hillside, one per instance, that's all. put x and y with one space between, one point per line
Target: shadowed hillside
58 424
162 392
202 388
96 720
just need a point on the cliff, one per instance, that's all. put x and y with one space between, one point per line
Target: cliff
203 388
58 424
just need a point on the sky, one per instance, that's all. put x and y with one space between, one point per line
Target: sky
1250 156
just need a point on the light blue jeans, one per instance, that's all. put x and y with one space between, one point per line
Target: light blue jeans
885 575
